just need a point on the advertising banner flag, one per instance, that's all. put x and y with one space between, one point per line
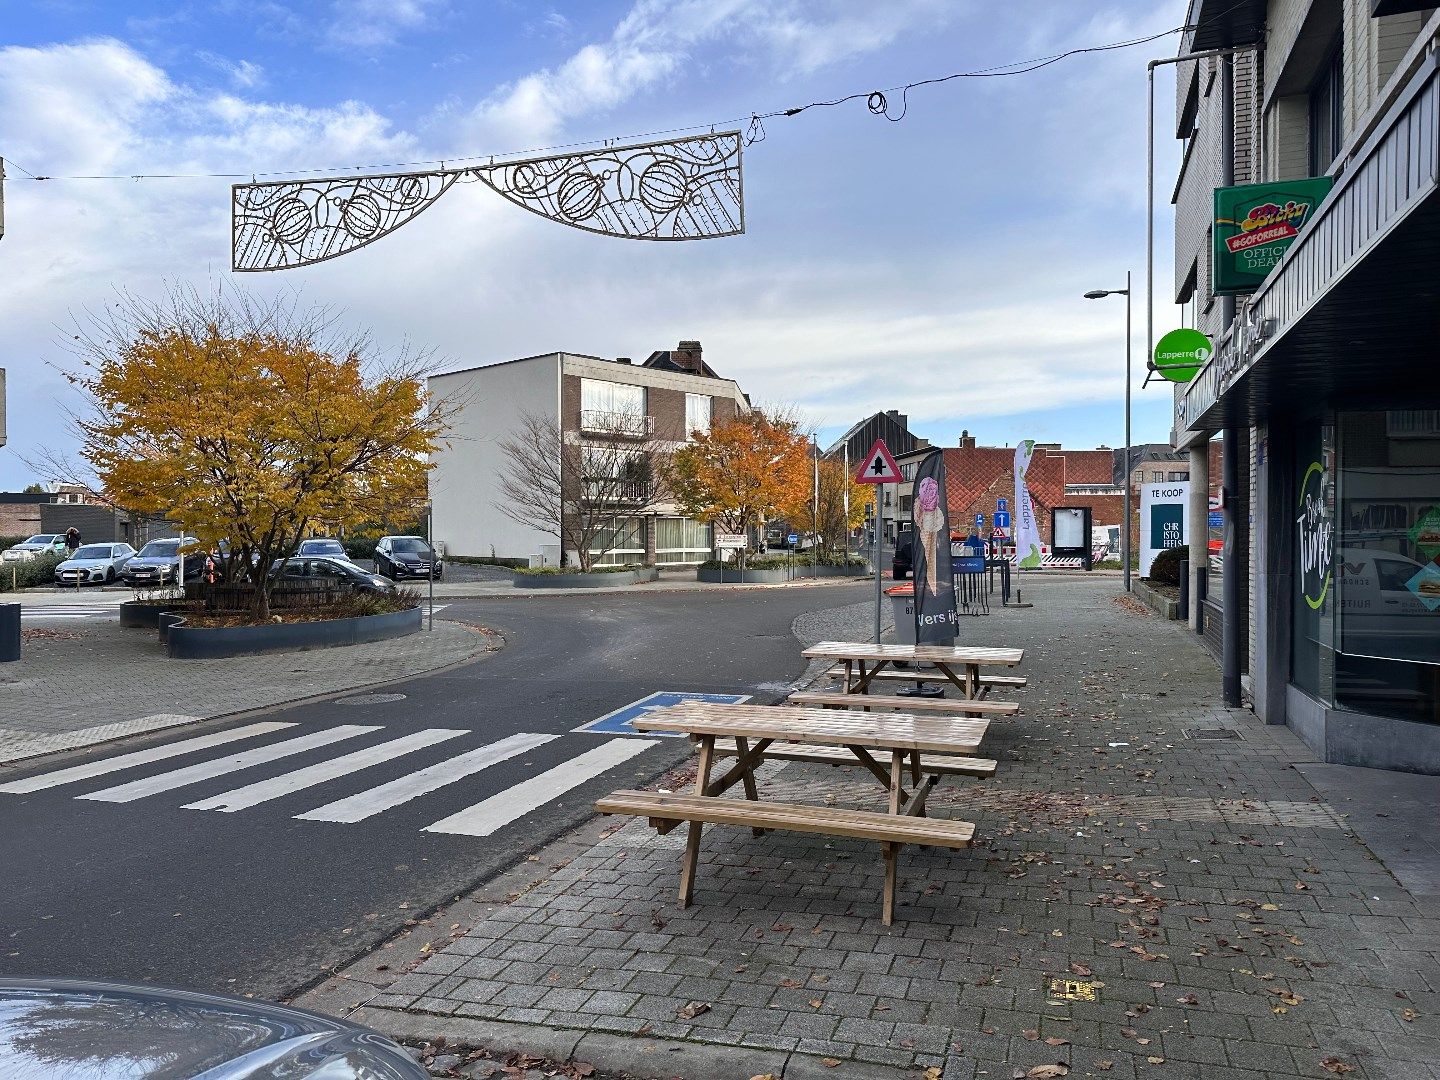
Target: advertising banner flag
935 617
1027 530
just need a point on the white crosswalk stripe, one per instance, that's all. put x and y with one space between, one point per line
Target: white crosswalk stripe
68 611
205 770
487 817
376 800
143 757
501 800
274 788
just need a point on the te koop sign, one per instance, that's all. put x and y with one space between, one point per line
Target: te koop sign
1162 520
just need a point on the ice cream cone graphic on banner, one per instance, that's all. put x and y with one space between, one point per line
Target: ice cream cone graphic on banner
1027 531
935 618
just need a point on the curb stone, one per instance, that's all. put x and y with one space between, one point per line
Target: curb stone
638 1057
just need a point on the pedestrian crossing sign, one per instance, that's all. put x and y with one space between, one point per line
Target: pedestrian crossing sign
879 466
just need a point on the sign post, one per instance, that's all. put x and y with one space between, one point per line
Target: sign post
878 468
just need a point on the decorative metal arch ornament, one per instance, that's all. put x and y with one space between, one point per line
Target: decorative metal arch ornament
681 189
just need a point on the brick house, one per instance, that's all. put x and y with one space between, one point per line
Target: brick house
977 476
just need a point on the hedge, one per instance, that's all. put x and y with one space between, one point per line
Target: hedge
541 571
37 571
1169 566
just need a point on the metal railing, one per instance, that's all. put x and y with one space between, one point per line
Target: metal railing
600 489
632 425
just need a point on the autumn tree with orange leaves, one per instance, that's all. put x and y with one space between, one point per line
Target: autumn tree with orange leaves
742 472
251 422
825 517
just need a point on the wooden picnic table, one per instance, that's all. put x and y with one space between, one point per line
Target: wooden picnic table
864 660
756 728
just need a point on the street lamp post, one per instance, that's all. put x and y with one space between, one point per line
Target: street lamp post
1100 294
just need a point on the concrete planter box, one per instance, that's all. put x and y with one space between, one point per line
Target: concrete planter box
209 643
144 613
578 580
775 577
1156 601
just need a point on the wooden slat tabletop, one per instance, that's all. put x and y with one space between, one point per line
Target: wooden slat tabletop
819 727
944 654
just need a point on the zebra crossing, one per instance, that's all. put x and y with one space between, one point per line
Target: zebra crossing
131 777
69 611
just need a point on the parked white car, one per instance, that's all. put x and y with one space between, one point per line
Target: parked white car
94 564
37 545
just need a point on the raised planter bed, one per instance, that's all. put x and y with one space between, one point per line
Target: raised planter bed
1155 600
578 580
145 613
212 642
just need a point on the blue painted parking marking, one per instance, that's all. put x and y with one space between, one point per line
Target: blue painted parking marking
618 722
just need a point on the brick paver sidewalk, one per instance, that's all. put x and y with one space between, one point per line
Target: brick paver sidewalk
1233 924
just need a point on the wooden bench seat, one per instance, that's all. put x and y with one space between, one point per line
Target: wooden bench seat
948 706
986 682
890 830
791 817
938 764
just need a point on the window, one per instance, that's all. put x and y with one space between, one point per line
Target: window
1157 477
907 471
697 414
1176 477
1327 112
680 540
613 407
619 542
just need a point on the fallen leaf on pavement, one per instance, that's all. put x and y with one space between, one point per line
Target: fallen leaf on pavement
1054 1040
1410 1015
1031 1033
692 1010
1045 1072
933 1073
1080 969
1335 1065
830 1063
1104 1065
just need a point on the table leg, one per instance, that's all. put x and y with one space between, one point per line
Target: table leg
742 747
897 765
863 685
959 684
915 767
972 680
692 841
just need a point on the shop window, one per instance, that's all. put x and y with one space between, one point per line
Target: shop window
1312 651
1387 565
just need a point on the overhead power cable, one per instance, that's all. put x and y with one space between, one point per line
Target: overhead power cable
877 101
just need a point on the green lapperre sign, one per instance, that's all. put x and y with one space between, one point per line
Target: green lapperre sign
1181 353
1254 226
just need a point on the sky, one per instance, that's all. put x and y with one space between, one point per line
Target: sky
933 265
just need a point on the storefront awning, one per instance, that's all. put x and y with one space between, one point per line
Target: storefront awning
1353 309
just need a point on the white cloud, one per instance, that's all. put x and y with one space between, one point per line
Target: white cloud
372 24
662 40
243 74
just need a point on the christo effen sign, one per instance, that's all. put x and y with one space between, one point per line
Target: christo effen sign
1255 224
1162 520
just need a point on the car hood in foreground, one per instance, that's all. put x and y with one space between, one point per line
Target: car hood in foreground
86 564
81 1030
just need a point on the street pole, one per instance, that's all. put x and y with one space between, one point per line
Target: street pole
847 505
1125 536
815 503
879 587
430 539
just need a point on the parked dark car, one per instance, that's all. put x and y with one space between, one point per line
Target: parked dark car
158 563
323 571
83 1030
903 563
398 557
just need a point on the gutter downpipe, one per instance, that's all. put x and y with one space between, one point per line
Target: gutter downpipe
1230 640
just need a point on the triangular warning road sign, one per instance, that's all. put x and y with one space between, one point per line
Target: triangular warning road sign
878 467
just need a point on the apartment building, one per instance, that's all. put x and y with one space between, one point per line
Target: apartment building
1321 383
592 403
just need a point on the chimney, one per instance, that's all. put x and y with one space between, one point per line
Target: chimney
687 357
623 360
967 441
898 416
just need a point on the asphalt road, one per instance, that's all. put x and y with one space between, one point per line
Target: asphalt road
256 901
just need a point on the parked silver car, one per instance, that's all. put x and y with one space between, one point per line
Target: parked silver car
40 544
159 560
97 1031
94 564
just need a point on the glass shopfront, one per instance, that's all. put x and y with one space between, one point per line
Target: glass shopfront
1367 562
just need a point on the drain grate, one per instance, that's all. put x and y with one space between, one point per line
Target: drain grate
369 699
1206 733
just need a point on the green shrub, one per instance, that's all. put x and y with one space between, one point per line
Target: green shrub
11 541
360 547
30 573
782 562
1170 565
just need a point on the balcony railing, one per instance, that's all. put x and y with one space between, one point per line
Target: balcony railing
628 425
616 492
